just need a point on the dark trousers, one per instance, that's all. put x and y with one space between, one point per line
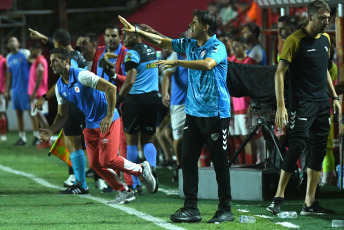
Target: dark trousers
213 132
309 121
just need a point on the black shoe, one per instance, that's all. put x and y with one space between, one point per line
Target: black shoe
186 215
20 142
108 189
75 189
138 190
89 173
275 206
176 173
315 209
155 175
222 215
35 141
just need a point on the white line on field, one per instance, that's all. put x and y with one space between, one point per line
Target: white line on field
243 210
264 216
128 210
169 191
288 225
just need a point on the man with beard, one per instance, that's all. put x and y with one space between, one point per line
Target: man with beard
306 54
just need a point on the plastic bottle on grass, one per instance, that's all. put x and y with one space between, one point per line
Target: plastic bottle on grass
285 215
247 219
337 223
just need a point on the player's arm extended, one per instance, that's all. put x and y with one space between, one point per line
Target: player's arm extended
155 39
60 120
205 65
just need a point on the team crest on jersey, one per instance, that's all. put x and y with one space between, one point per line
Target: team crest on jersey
128 57
65 94
326 48
203 53
77 89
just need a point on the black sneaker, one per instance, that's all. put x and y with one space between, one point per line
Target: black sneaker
222 215
20 142
186 215
138 190
155 175
75 189
108 189
275 206
315 209
35 141
90 172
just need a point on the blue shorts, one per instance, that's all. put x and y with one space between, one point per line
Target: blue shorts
20 100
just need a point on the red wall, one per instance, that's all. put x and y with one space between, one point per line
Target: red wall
5 4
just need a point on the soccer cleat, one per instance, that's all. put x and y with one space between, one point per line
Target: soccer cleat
176 173
147 177
108 189
75 189
222 216
138 190
275 206
100 184
155 174
44 145
70 181
35 141
20 142
186 215
89 172
3 138
123 197
315 209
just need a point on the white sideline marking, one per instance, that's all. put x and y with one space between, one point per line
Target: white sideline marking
243 210
288 225
264 216
169 191
128 210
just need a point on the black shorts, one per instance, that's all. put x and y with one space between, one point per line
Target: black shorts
139 113
75 123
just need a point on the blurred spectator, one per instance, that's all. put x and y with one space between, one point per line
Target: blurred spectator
251 32
3 106
227 12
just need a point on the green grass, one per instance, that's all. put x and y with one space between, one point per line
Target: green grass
25 204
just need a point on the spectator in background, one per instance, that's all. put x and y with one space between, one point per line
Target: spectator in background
3 104
227 12
17 81
250 33
88 45
38 86
286 26
242 118
227 41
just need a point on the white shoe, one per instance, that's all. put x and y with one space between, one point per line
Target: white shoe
3 138
123 197
100 184
70 181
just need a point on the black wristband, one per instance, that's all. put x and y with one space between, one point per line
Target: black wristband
335 98
45 97
119 100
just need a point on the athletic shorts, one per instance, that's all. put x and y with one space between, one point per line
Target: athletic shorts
20 100
75 123
139 113
44 110
177 120
2 103
240 125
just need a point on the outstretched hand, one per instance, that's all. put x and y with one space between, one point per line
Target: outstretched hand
127 26
166 63
35 34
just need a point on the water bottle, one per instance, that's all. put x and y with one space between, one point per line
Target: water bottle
284 215
247 219
337 223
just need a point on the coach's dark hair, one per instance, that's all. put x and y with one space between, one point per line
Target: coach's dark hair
289 20
114 27
93 37
207 17
62 36
254 28
314 6
62 53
